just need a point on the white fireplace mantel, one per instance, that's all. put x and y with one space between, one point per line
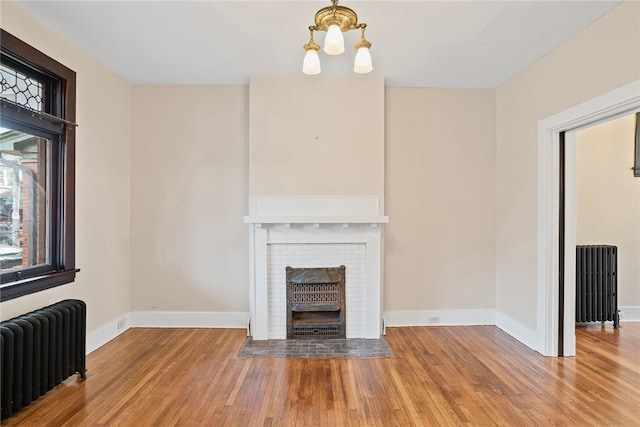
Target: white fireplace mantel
337 219
315 210
310 221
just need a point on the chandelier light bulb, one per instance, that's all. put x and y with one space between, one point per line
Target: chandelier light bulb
362 63
334 41
311 63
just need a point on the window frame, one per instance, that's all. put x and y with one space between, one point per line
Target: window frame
60 114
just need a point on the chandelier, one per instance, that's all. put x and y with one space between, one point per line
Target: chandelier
335 20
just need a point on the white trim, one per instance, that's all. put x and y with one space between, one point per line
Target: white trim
372 219
164 319
260 290
467 317
315 210
618 102
520 331
252 279
105 333
238 320
189 319
629 313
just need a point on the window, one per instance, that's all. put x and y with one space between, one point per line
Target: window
37 170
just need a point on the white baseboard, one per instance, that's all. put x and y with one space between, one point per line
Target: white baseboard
164 319
175 319
440 317
527 336
629 313
189 319
105 333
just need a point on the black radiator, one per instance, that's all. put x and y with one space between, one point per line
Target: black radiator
39 350
597 284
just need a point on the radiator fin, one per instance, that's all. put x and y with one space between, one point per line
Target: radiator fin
39 350
597 284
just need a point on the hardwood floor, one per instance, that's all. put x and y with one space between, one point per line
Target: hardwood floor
440 376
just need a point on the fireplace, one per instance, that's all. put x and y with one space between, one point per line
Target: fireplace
316 302
315 232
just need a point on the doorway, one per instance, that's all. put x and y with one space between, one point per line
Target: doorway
619 102
607 206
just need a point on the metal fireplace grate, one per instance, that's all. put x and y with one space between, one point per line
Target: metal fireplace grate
317 331
315 293
316 302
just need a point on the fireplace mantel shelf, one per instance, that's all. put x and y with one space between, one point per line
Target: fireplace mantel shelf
322 219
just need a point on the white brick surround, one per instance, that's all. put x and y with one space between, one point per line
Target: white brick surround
300 255
315 232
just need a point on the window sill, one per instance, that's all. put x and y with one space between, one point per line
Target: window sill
31 285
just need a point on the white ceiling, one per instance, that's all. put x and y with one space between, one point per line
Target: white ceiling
465 44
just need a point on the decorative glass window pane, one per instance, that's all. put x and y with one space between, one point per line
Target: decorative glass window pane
24 206
21 89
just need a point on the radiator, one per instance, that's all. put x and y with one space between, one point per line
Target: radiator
597 284
39 350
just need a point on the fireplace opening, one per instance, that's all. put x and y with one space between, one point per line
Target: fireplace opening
316 302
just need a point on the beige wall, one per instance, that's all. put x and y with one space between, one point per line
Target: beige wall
440 198
188 198
102 179
602 57
608 199
316 136
189 245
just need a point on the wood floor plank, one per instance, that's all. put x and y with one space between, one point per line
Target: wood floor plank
440 376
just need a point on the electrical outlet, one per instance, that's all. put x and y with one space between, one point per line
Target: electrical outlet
121 324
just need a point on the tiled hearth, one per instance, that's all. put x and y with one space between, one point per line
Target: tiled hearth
316 348
315 232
